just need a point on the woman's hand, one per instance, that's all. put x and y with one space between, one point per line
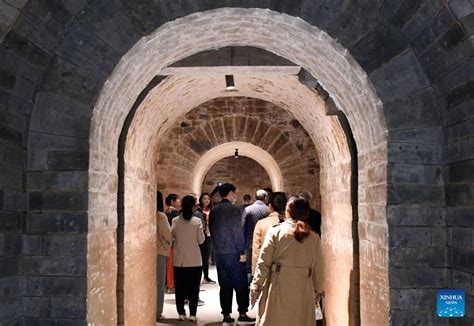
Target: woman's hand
254 294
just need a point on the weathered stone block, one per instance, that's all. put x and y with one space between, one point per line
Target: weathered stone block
44 201
461 259
56 116
34 286
416 215
460 216
460 194
56 222
68 160
32 306
13 201
32 244
60 266
8 13
58 181
399 77
12 286
402 194
65 245
407 299
414 173
67 80
64 308
11 266
10 244
10 221
42 141
86 50
402 236
461 237
37 160
418 277
112 25
10 308
418 257
64 287
415 153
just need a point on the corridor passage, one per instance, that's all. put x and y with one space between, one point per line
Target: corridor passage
209 314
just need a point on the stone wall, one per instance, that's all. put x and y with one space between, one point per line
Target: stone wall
56 56
246 174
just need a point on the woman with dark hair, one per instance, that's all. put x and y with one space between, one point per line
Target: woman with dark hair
288 276
187 233
205 206
276 206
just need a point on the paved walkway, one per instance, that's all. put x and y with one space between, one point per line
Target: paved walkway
209 314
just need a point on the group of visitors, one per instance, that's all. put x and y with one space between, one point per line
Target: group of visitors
266 252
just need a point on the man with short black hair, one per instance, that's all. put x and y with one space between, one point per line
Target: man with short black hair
225 225
247 200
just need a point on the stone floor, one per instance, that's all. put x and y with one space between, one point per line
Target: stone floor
209 314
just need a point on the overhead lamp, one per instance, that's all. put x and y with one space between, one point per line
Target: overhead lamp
229 82
236 154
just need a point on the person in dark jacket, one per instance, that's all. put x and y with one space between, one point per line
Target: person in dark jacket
250 216
314 216
225 225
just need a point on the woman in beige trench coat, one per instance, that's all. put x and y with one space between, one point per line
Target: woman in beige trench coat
288 276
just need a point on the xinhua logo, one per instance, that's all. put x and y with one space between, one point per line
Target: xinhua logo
450 303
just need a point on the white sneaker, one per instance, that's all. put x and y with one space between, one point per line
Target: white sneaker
182 317
193 319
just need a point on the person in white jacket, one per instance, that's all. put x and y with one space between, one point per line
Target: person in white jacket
187 234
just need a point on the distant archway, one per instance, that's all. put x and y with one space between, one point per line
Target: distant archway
245 149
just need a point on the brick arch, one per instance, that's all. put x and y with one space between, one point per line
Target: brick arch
179 94
47 71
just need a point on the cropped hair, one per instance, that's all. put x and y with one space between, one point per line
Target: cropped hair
170 198
225 188
277 201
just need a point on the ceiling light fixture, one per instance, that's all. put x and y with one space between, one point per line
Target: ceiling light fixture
236 154
229 82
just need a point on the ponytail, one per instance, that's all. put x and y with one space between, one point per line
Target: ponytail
302 231
298 209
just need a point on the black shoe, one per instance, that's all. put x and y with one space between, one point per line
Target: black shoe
209 281
244 319
228 320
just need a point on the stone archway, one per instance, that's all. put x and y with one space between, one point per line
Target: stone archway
304 45
245 149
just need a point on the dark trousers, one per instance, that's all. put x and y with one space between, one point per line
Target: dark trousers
206 247
186 285
232 275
